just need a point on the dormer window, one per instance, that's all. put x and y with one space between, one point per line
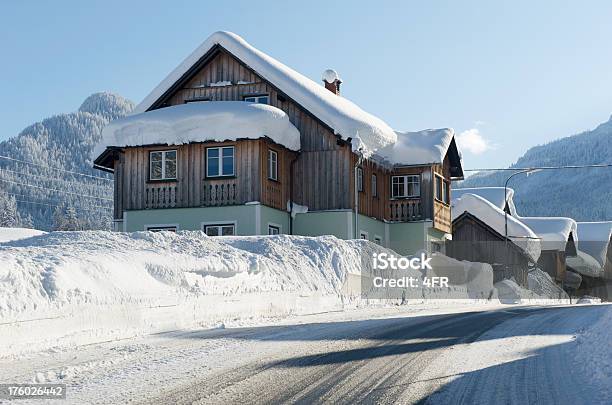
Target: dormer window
162 165
261 99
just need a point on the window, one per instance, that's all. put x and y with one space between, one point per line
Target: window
272 165
405 186
220 230
162 165
220 161
359 179
374 186
273 230
262 99
363 235
442 190
160 228
378 240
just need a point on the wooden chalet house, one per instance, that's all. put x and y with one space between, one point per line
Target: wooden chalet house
233 142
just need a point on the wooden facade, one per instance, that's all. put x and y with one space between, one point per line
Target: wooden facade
323 172
475 241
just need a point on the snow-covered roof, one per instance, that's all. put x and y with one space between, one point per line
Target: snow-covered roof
419 148
595 239
199 122
518 232
495 195
584 264
554 231
348 120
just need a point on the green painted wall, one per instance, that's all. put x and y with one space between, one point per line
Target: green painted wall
275 217
192 218
319 223
407 238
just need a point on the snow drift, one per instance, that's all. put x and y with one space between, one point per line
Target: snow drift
200 122
11 234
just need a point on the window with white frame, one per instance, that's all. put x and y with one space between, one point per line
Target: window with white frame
220 161
363 235
374 186
405 186
359 179
442 191
220 229
161 228
378 240
261 99
162 165
272 165
273 229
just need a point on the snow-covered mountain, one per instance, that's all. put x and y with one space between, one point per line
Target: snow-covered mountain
584 194
44 189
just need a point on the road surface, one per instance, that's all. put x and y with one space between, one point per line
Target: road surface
511 355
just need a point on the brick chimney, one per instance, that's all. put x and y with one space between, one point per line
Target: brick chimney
332 81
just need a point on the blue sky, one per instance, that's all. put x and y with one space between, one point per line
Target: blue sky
511 74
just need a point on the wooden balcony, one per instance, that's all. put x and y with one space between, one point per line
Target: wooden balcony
160 196
405 210
219 193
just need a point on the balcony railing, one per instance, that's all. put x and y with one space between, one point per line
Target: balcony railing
157 196
405 210
220 193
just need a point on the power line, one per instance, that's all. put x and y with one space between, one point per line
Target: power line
539 168
55 168
56 190
50 178
59 203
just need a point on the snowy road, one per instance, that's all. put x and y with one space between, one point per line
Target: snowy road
506 355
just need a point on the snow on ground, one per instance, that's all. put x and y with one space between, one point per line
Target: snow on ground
11 234
74 288
198 122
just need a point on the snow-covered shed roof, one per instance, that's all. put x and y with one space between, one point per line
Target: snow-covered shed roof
595 238
520 234
424 147
199 122
555 232
348 120
495 195
584 264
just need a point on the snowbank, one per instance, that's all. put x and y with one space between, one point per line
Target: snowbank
519 233
593 353
495 195
418 148
199 122
11 234
554 231
347 119
595 239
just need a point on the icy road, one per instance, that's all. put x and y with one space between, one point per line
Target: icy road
505 354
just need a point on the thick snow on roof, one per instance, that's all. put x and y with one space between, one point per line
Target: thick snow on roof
199 122
347 119
418 148
493 216
554 231
11 234
595 239
584 264
495 195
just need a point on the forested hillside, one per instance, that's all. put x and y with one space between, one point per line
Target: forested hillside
46 171
584 194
